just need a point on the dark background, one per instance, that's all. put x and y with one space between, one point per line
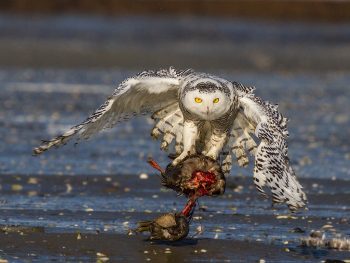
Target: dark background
241 35
309 10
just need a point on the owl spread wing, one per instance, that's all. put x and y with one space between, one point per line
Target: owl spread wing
147 92
272 167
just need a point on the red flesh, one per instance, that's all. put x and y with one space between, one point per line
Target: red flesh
191 203
203 181
200 181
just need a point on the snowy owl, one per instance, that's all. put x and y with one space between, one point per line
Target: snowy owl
203 113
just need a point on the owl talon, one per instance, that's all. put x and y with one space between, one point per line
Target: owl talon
172 156
179 159
211 155
175 162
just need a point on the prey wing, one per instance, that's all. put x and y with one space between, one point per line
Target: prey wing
147 92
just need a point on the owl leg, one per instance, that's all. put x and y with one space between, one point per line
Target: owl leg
190 135
215 144
206 138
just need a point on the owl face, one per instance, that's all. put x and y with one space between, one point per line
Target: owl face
206 105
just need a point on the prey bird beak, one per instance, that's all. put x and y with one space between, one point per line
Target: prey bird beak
155 165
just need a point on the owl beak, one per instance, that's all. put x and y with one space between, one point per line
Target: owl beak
207 110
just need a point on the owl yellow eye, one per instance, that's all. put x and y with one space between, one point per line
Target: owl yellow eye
216 100
198 100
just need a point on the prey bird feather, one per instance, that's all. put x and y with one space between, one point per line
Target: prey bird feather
199 113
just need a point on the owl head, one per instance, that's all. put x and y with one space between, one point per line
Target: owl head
207 100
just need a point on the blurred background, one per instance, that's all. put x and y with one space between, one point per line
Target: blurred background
60 59
239 35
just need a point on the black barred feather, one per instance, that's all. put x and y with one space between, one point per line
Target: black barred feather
272 167
145 93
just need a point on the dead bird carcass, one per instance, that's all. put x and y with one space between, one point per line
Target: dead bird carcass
194 177
169 226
